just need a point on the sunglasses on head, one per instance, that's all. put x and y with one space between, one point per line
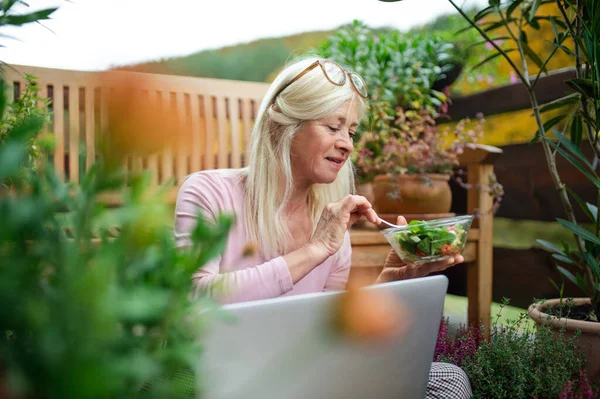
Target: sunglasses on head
335 74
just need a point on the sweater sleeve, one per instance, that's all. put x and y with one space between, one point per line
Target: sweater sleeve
207 195
340 269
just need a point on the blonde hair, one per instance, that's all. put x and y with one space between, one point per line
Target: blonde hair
268 176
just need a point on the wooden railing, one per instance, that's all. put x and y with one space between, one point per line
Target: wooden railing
219 113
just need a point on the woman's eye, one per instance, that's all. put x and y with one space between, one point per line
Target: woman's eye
333 128
352 135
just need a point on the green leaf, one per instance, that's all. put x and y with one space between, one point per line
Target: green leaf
576 130
563 48
513 7
3 99
486 11
563 259
583 86
534 7
572 98
491 57
568 144
143 304
7 5
498 24
533 56
547 125
484 41
567 274
12 156
493 3
593 210
18 20
592 178
550 247
592 263
534 23
580 231
584 205
523 37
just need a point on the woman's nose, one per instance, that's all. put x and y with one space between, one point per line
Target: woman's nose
345 144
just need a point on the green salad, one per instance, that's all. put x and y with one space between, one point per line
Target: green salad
422 239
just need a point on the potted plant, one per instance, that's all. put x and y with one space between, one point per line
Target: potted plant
410 160
403 160
516 361
577 34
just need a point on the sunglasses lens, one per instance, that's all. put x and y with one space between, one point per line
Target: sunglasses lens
334 73
359 84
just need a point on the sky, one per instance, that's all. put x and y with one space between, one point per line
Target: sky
99 34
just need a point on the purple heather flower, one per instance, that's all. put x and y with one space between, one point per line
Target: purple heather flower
513 77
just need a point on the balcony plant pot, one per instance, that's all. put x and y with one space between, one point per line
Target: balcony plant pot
412 194
365 190
589 340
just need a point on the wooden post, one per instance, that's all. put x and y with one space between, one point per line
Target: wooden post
478 159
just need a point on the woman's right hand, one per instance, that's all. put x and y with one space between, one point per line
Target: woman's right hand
336 218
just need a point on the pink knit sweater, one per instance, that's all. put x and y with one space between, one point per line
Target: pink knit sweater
234 276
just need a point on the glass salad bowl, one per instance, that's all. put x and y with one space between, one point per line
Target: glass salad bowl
429 241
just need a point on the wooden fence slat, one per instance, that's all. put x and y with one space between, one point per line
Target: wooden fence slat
182 140
167 158
90 127
153 158
137 160
59 129
247 121
73 116
195 126
209 155
234 112
103 110
43 93
223 149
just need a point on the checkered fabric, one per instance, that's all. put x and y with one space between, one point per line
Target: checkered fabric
447 381
184 379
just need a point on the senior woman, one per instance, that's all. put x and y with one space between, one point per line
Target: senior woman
294 201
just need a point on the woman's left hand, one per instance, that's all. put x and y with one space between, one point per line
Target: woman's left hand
395 269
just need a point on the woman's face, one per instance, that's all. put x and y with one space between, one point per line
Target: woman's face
321 147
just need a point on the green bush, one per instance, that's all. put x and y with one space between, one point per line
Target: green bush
398 69
86 316
517 361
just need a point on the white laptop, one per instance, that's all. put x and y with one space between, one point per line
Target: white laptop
283 349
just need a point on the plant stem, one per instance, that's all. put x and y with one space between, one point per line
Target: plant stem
485 36
576 31
551 158
577 34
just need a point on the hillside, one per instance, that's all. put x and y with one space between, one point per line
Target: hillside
254 61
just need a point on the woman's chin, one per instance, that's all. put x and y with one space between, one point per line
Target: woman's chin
325 179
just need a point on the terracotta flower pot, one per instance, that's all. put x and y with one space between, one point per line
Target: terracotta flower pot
590 331
365 190
412 194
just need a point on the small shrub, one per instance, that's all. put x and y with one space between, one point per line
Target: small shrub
516 361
